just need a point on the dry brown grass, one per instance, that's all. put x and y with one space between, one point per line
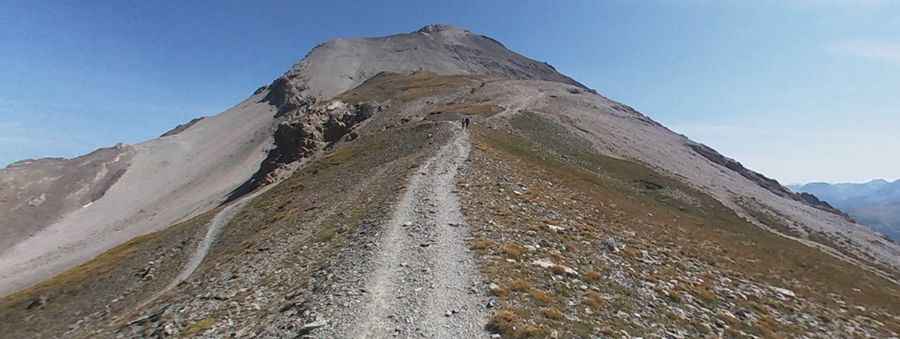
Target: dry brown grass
593 276
500 292
552 313
530 331
594 300
503 322
405 88
704 294
520 285
541 296
512 250
510 324
768 328
558 270
483 244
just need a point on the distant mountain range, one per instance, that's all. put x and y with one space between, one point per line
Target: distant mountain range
875 203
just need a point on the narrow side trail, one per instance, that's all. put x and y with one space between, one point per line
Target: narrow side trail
213 229
424 281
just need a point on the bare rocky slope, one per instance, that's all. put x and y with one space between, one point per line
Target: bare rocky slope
345 200
36 193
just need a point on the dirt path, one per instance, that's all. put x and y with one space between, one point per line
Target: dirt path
424 282
213 230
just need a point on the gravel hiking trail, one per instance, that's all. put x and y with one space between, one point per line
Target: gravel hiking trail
424 281
213 230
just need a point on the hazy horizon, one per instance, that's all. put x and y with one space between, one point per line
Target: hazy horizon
801 91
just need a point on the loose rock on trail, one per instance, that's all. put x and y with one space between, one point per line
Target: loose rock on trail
423 281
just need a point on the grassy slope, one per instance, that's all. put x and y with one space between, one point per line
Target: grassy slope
596 197
88 288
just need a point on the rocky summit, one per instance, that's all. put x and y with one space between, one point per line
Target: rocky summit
349 198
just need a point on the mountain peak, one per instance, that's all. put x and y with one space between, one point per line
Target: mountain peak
436 28
342 64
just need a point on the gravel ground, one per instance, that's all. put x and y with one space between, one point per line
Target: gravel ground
213 229
423 280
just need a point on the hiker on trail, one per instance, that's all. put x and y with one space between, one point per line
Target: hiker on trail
466 123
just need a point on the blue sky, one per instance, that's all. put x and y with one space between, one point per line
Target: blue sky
801 90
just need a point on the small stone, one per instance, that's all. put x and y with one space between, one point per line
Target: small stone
784 292
743 313
611 245
37 302
493 287
491 303
546 263
170 330
556 228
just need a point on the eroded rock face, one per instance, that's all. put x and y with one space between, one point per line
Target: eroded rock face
304 130
286 93
35 193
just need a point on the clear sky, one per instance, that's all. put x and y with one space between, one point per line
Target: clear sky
801 90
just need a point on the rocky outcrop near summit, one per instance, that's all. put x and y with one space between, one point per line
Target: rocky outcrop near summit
304 131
